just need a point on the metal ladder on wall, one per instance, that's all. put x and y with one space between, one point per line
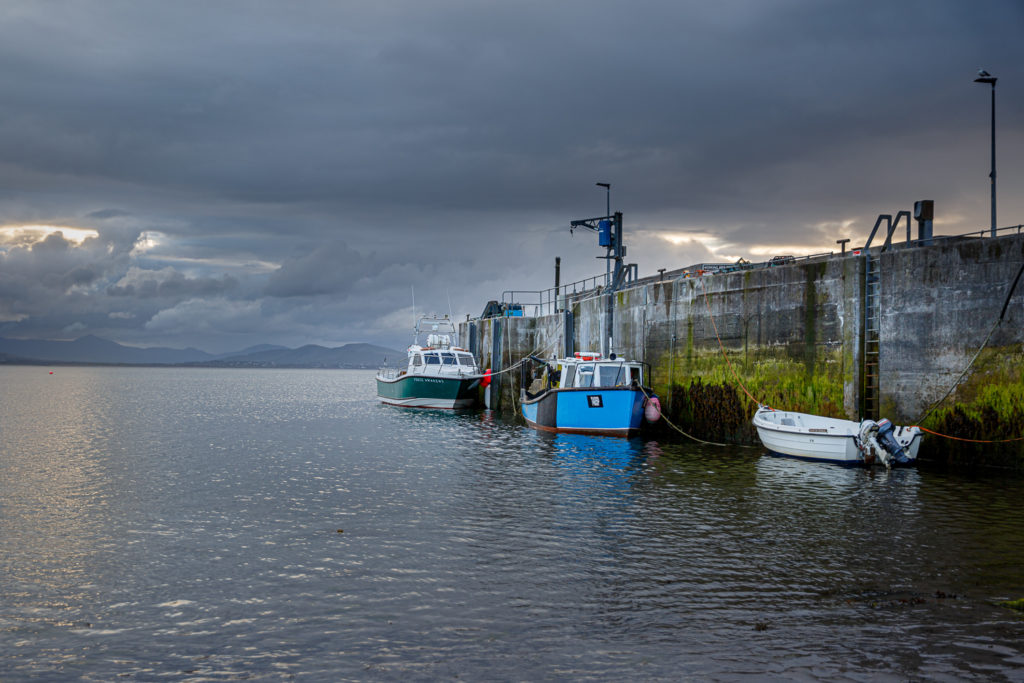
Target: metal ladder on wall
870 396
872 326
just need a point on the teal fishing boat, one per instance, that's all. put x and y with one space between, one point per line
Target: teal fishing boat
438 374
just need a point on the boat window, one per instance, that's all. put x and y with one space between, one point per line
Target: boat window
417 360
568 374
585 376
636 374
467 360
432 359
448 358
611 375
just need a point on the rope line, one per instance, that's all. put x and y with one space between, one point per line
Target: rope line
689 436
960 438
521 361
954 385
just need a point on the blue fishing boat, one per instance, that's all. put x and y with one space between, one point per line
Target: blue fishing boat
586 394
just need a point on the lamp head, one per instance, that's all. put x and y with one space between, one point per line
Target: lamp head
985 77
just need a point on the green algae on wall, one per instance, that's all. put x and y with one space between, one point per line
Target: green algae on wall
706 397
810 320
988 407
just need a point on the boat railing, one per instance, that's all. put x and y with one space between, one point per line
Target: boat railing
531 363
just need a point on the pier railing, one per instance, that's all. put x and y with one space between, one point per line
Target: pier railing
540 302
537 302
1015 229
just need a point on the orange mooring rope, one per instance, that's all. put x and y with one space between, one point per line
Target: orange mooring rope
959 438
722 346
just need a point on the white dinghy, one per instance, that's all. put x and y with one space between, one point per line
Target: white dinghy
827 439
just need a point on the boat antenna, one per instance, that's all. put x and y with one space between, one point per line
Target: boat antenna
451 317
414 324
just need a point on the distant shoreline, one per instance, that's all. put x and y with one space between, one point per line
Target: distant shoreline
212 366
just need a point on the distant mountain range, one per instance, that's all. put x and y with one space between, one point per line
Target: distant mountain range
92 349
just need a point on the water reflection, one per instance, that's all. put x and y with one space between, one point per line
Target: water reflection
193 518
56 501
616 453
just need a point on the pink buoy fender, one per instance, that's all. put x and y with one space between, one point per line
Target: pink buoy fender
652 409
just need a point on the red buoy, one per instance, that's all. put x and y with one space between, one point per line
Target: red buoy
486 381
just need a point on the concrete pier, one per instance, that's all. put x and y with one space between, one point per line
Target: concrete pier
799 336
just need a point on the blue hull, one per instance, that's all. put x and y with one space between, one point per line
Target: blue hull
611 411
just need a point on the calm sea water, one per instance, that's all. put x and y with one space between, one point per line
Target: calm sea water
172 524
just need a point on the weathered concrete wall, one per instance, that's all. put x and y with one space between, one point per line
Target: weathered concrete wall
501 343
792 337
939 306
788 335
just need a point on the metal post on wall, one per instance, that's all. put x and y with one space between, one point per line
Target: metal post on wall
569 334
496 364
924 213
558 277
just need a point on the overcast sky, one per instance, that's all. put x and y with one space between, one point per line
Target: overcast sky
231 173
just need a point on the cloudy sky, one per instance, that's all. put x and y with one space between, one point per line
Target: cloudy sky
221 174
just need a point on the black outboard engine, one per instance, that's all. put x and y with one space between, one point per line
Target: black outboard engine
887 438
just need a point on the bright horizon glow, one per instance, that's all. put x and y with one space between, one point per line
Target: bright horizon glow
720 248
253 265
713 244
787 250
152 240
27 235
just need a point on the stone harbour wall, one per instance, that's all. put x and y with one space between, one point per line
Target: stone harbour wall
791 336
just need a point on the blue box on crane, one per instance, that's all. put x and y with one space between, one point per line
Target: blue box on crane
604 233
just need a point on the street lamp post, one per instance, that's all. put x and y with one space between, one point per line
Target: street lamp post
986 77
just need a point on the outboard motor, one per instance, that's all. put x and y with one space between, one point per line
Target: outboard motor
887 438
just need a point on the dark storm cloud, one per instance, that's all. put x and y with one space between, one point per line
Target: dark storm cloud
45 277
329 269
270 171
107 213
169 283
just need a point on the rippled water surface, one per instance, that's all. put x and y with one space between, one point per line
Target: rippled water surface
172 524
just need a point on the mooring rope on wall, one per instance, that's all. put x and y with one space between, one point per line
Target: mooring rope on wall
954 385
998 322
